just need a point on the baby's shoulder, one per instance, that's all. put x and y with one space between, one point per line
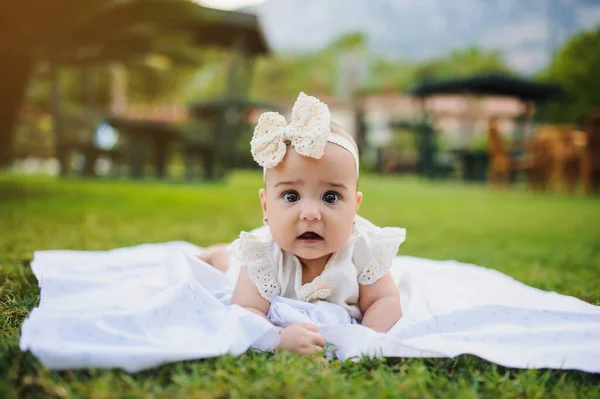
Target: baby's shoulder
252 246
373 236
258 252
373 248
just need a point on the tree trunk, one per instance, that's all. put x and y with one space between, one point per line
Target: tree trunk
118 104
60 148
15 71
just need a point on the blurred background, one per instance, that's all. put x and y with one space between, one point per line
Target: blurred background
505 93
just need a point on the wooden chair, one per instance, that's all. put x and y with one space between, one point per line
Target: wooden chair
539 162
558 157
590 171
500 165
550 159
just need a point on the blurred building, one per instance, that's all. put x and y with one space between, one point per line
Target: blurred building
459 119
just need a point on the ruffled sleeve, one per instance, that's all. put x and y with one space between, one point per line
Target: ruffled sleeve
374 249
258 253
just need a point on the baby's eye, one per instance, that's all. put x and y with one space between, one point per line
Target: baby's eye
331 197
291 196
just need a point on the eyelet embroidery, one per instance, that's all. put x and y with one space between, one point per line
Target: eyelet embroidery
387 241
254 254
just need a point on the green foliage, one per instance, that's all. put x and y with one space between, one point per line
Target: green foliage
98 31
149 85
514 232
576 68
284 76
461 63
403 143
395 75
155 38
159 57
72 85
352 41
389 75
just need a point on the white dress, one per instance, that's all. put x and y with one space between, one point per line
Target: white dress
364 260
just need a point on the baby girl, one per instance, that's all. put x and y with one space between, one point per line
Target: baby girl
314 246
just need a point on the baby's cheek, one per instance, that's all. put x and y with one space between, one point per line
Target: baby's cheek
279 236
341 234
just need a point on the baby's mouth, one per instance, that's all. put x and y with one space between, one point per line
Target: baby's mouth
310 237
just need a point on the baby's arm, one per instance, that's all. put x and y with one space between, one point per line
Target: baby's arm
246 295
380 304
302 338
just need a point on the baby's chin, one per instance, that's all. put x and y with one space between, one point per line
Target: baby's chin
311 252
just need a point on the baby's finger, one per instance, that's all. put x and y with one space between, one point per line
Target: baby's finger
311 350
318 339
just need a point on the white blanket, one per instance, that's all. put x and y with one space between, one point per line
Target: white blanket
143 306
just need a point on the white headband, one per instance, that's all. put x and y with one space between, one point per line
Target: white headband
309 131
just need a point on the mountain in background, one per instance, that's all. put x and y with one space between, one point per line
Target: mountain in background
526 32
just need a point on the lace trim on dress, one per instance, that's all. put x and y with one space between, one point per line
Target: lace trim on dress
254 254
382 247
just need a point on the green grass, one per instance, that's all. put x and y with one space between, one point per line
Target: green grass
547 241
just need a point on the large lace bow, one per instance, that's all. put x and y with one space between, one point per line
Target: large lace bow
308 132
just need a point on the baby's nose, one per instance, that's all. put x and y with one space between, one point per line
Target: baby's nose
310 212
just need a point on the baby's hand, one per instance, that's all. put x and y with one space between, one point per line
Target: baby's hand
302 338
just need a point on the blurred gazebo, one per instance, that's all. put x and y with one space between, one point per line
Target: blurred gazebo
113 34
528 91
220 119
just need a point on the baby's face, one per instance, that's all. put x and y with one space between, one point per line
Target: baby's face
311 203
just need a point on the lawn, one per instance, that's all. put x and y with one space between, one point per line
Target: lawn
548 241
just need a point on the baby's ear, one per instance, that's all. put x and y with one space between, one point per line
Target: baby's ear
359 197
262 194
